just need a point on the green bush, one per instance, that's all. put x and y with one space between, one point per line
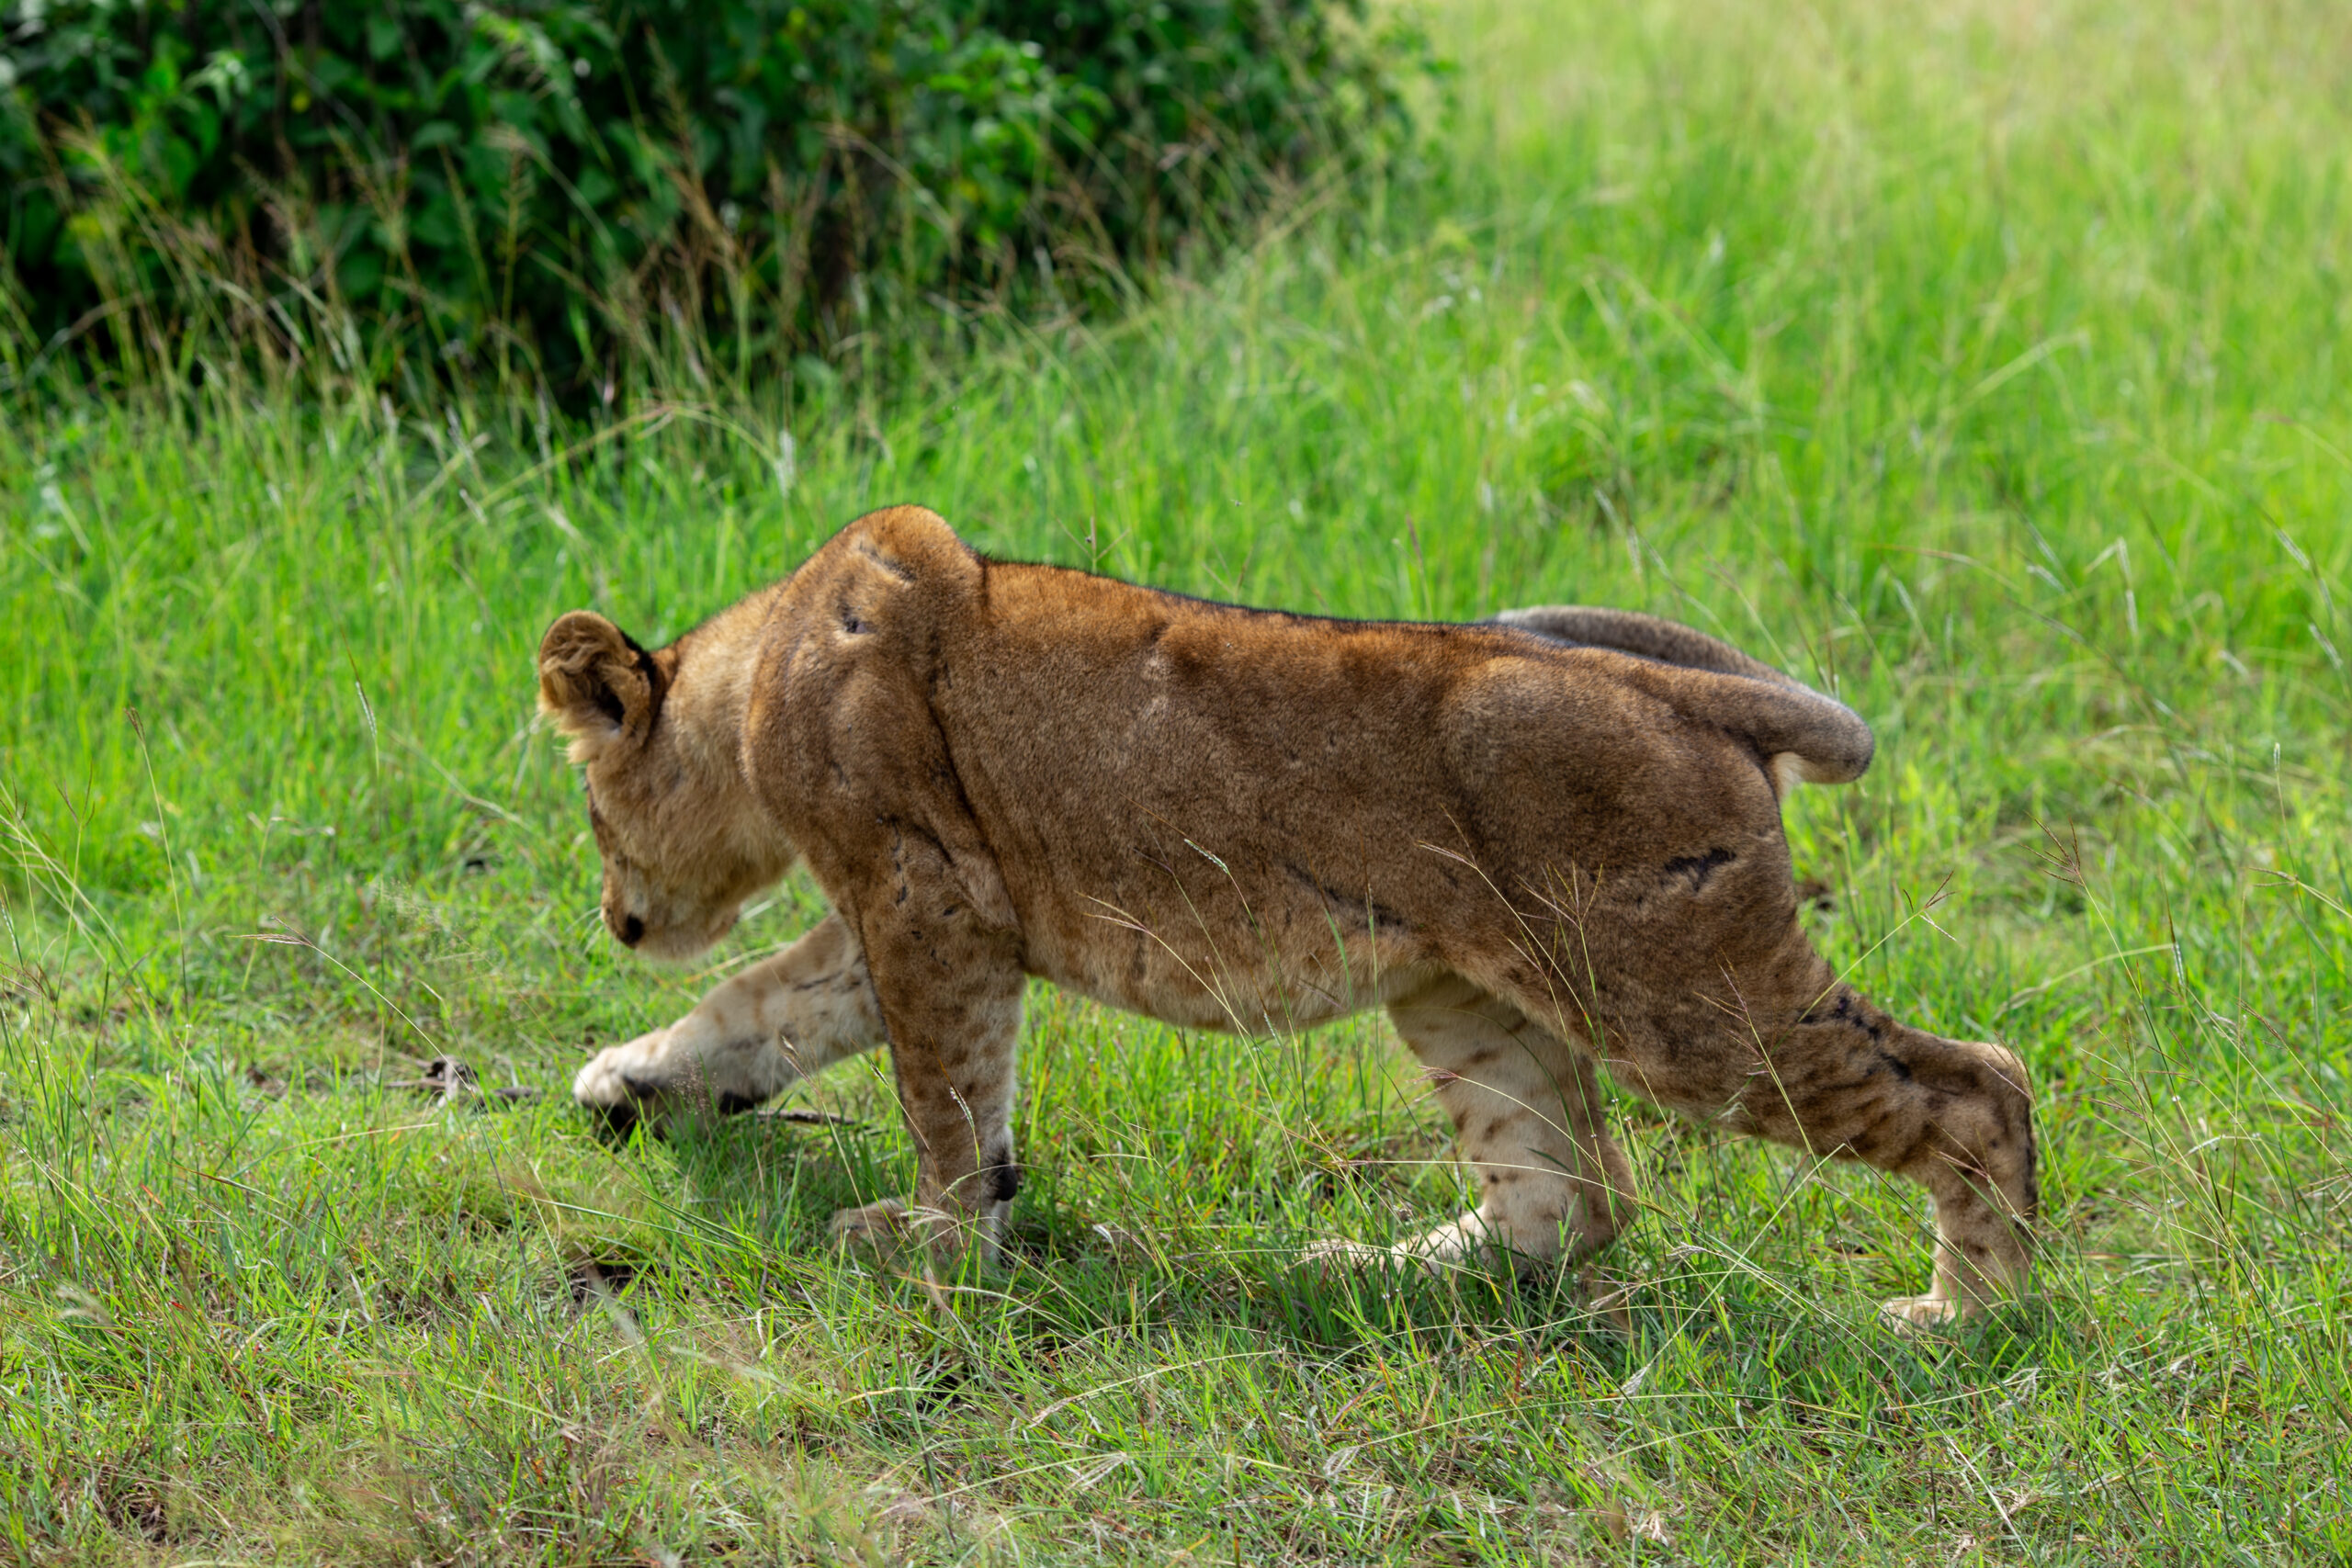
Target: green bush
562 185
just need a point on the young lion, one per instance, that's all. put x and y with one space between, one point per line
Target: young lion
1543 844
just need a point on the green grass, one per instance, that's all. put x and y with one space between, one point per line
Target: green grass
1985 363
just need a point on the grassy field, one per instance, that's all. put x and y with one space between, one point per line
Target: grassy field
1987 362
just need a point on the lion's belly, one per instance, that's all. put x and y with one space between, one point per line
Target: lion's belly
1245 983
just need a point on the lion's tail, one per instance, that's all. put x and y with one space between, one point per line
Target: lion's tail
1799 730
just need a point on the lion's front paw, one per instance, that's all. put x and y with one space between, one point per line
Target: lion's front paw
1914 1314
615 1076
1610 1302
882 1224
947 1240
612 1083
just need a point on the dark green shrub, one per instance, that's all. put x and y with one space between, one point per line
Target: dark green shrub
562 185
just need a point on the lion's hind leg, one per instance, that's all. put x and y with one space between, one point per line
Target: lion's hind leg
1844 1080
1970 1113
782 1020
1553 1188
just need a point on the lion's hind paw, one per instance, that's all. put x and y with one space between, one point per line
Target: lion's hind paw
1920 1314
1334 1258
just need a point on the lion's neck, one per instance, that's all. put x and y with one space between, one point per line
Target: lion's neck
710 695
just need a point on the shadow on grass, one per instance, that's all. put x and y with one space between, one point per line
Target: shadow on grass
1069 1274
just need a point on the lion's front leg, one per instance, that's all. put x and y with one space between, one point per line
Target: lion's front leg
949 984
781 1019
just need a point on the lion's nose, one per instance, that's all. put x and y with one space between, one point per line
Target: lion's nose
633 931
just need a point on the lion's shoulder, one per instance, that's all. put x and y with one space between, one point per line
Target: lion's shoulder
913 543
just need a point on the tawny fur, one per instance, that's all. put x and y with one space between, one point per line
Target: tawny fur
1546 844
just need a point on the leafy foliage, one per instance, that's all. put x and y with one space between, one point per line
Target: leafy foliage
568 179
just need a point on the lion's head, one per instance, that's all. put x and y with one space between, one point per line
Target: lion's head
684 842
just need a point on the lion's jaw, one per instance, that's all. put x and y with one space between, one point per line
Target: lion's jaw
707 874
683 841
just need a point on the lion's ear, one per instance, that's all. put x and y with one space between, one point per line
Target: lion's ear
596 683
